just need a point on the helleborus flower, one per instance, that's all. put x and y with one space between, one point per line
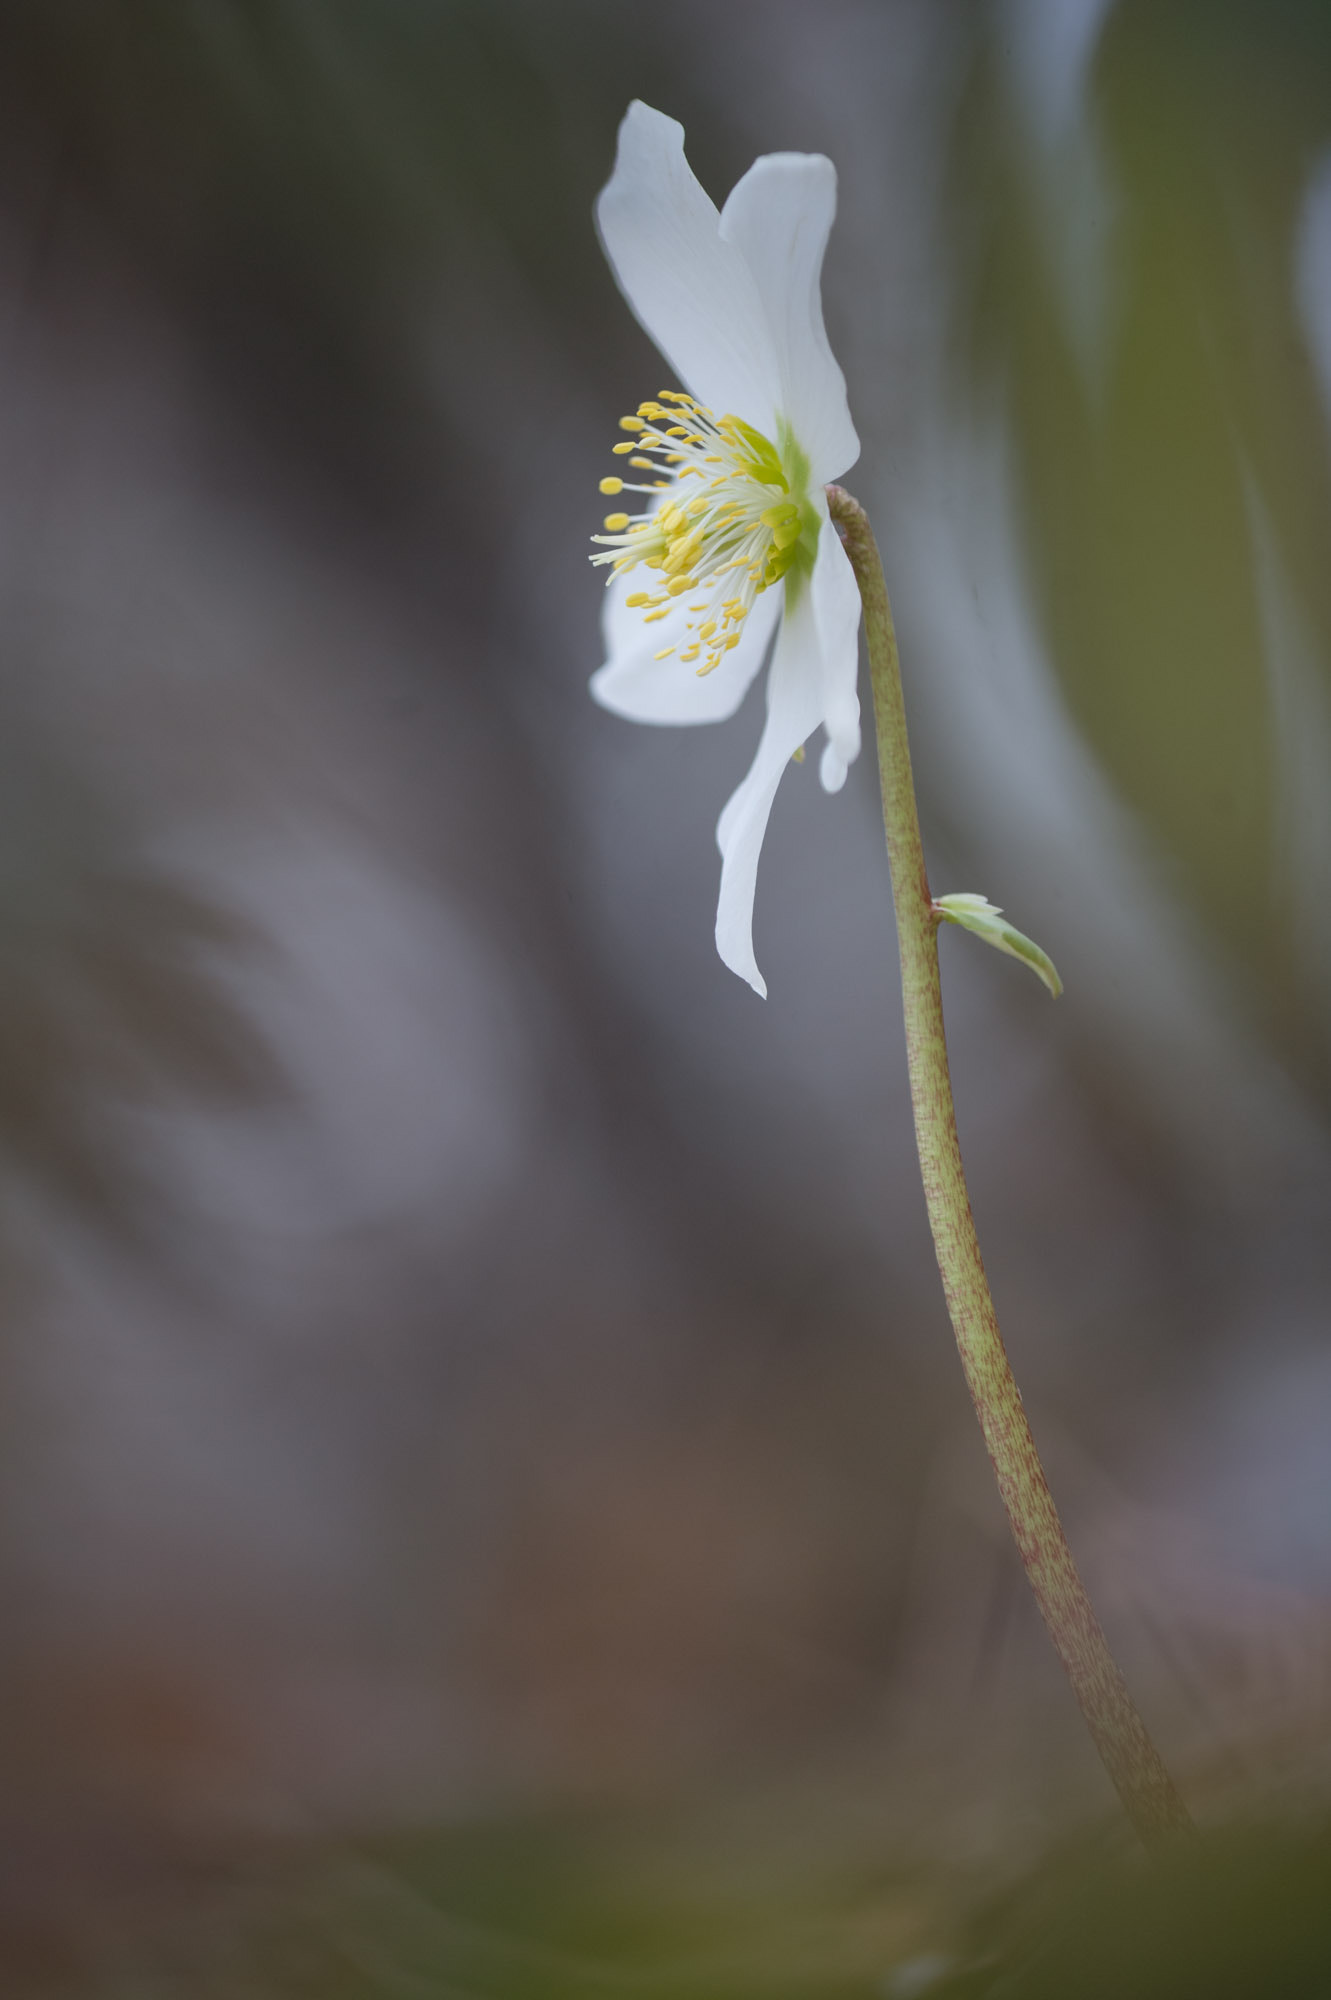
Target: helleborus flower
732 544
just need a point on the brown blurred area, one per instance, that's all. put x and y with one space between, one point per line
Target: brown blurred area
463 1355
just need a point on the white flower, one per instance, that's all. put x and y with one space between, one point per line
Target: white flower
734 542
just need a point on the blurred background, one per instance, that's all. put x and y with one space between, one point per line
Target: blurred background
483 1447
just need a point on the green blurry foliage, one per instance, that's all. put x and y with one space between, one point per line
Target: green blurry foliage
1242 1915
571 1908
1149 445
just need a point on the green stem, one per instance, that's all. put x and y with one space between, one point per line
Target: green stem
1129 1755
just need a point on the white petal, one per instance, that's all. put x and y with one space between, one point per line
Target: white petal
794 709
634 683
690 290
779 216
831 770
836 611
624 630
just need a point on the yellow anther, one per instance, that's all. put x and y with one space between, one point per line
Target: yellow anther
708 666
664 653
692 654
653 617
735 529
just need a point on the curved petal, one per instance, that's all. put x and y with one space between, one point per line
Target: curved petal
836 604
690 290
779 217
634 683
794 709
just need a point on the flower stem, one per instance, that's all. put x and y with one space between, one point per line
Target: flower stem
1130 1757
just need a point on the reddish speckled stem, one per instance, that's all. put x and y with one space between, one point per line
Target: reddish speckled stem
1129 1755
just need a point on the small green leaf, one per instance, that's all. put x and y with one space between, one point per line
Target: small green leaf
975 913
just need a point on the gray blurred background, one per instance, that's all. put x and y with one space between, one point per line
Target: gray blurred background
465 1358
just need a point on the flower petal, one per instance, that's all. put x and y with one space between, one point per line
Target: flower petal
836 611
634 683
794 710
779 217
690 290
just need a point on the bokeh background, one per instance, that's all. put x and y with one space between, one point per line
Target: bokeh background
477 1402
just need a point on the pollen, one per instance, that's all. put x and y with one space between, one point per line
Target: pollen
731 533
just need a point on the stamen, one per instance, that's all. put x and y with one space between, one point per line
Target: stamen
721 541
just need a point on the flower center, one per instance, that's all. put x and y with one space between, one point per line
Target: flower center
731 517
